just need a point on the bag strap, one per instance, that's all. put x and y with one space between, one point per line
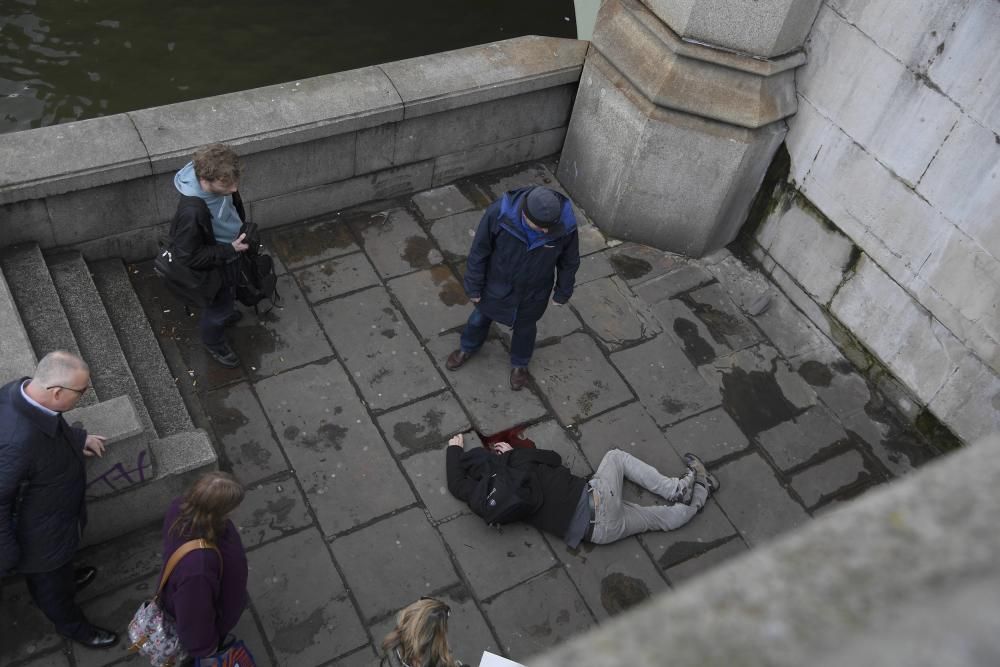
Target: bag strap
184 550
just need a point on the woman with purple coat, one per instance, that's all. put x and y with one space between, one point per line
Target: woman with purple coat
206 594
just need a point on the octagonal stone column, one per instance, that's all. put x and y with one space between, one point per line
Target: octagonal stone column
679 111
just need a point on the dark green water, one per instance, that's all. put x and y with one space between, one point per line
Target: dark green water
64 60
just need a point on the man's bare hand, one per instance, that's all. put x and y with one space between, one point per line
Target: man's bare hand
501 448
457 441
94 446
239 245
475 299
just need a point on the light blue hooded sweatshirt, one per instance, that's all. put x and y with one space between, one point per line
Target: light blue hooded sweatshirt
226 221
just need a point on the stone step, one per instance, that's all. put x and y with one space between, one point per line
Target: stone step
180 459
40 308
142 351
17 359
99 346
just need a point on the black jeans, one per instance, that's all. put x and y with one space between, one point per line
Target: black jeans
212 323
55 592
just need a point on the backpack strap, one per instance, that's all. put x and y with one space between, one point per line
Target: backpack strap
175 558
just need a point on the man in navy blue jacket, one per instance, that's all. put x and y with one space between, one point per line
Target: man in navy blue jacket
42 485
525 245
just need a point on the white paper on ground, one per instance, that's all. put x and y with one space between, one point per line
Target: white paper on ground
493 660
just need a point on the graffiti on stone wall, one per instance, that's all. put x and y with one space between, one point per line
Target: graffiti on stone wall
121 476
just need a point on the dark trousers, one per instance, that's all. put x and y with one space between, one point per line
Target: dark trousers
212 324
54 592
522 340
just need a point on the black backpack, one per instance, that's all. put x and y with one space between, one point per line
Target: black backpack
257 280
504 494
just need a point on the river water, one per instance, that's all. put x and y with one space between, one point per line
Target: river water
64 60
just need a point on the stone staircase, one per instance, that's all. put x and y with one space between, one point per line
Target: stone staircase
154 450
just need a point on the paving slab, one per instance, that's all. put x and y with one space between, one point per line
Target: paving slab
711 436
895 445
310 242
337 454
114 610
240 426
839 386
577 380
637 263
591 238
755 502
441 202
520 176
526 628
631 429
792 443
468 633
558 321
550 435
682 278
305 623
52 659
24 630
269 510
594 266
482 385
608 307
831 478
433 299
708 529
379 348
725 322
335 277
426 472
454 233
687 329
137 555
395 242
667 384
706 561
494 560
408 555
424 426
611 577
283 338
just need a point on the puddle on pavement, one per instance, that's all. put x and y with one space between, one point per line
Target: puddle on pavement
755 400
420 437
620 591
327 436
815 373
698 350
416 252
225 420
300 243
252 452
450 291
630 268
720 324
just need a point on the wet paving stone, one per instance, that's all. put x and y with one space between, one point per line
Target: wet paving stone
896 446
492 560
755 502
433 299
379 348
839 386
526 628
667 384
424 426
340 459
441 202
577 379
706 561
338 276
637 264
707 530
284 338
482 385
688 331
118 563
426 471
24 630
408 555
395 243
242 429
607 306
304 622
794 442
302 244
455 233
611 577
831 478
550 435
683 278
270 510
711 436
726 324
468 633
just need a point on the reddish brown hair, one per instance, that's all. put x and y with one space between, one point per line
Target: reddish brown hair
207 504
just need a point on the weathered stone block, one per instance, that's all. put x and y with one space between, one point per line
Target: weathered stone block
969 400
450 167
17 358
612 312
288 169
374 148
82 215
26 221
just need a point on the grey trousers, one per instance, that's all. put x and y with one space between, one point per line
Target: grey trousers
615 518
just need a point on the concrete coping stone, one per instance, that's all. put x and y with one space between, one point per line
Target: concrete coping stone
707 53
463 77
17 358
73 156
116 419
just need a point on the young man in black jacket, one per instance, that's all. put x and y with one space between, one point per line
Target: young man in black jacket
205 233
575 509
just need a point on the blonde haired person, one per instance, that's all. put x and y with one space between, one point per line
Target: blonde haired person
420 638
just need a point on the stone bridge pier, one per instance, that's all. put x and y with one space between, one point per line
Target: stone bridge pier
680 109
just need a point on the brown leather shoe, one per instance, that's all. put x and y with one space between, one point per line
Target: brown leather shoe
518 378
456 359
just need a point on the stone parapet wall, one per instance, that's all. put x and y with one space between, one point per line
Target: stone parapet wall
887 221
105 186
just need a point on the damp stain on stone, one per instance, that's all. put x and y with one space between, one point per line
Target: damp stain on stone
416 251
452 294
420 437
620 591
291 432
327 436
755 400
227 420
388 333
300 243
391 313
278 509
252 452
672 405
630 268
720 324
816 373
586 401
539 630
698 350
291 638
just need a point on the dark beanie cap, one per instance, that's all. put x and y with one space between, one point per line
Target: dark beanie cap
542 206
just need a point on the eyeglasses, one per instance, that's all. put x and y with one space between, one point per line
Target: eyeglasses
79 391
447 609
